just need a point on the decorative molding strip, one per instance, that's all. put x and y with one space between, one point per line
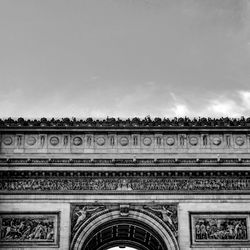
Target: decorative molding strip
220 229
169 182
29 229
134 122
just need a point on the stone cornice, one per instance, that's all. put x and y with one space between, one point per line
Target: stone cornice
134 123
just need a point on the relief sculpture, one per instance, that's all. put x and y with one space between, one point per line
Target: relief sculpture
83 216
168 213
129 184
219 228
26 229
81 213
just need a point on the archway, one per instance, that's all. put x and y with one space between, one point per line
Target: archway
139 230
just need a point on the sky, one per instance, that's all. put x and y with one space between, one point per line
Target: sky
124 58
126 248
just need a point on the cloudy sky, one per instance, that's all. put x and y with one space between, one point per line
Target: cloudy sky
124 58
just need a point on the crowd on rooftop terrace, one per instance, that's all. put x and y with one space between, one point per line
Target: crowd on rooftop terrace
133 122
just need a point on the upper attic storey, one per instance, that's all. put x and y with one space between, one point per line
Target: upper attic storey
161 138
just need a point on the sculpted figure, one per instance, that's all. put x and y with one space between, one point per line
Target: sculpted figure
82 215
50 234
166 214
27 229
124 185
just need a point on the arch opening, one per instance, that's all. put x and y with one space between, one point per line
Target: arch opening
127 232
138 231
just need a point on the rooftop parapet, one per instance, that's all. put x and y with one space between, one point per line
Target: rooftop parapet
146 122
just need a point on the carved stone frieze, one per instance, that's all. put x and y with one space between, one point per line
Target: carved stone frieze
128 182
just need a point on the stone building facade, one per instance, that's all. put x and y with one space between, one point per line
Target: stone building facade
149 184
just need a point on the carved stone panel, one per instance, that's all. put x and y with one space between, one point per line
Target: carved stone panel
220 229
29 229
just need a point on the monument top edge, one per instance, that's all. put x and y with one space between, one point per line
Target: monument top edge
130 123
